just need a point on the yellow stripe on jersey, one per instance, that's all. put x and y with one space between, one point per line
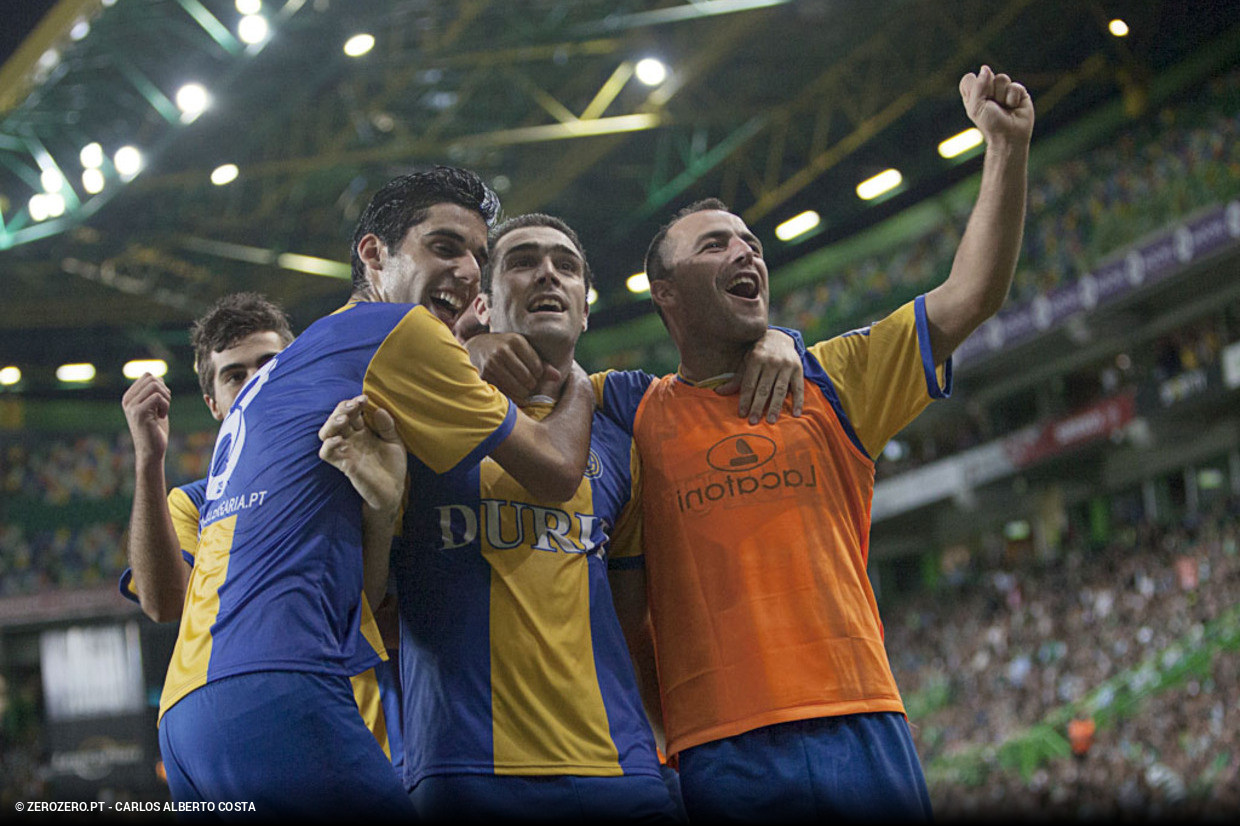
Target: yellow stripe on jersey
443 410
370 704
541 706
370 630
190 657
184 518
879 376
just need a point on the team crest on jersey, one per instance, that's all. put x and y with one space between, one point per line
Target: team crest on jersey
594 467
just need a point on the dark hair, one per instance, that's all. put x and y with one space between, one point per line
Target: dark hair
403 202
656 265
532 219
229 320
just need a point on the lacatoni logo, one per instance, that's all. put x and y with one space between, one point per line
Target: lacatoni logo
749 469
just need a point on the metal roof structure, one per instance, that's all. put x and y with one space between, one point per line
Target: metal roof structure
776 106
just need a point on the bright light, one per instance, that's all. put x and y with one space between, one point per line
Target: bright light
134 369
75 372
52 180
91 156
92 181
107 4
10 376
638 283
252 29
38 207
192 100
1118 28
650 71
961 143
249 6
128 161
55 204
79 31
225 174
797 225
358 45
314 265
882 182
592 297
48 60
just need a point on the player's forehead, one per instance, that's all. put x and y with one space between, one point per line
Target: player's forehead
706 223
455 221
248 348
541 239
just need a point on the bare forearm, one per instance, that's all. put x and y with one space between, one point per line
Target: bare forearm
160 573
378 527
985 262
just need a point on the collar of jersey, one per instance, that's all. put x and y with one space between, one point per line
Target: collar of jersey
709 383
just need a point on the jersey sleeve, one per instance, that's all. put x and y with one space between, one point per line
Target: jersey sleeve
884 374
445 413
183 505
618 394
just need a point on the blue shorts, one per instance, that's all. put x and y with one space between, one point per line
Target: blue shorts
853 767
290 743
465 798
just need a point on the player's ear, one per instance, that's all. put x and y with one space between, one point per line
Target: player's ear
372 252
482 309
213 407
663 292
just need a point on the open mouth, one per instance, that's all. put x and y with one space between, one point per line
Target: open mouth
446 305
546 304
743 285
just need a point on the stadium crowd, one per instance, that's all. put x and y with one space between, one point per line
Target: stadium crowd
1001 648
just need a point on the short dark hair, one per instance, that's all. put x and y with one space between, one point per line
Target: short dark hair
229 320
656 264
532 219
403 202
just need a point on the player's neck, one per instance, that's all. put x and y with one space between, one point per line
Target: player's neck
699 364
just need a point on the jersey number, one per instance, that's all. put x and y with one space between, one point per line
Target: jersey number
231 441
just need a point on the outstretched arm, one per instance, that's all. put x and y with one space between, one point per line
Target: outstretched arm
160 573
361 441
982 271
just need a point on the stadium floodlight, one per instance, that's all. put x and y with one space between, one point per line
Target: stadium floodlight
314 265
592 297
79 30
92 181
650 71
55 204
1118 28
960 143
884 181
75 373
37 207
10 375
91 155
52 180
252 29
192 99
249 6
128 162
224 174
638 283
134 369
359 44
797 225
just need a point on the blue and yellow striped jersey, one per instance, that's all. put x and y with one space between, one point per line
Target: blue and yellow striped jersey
277 579
512 658
374 688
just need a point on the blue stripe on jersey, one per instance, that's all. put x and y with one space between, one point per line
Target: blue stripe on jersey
927 354
622 394
816 375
